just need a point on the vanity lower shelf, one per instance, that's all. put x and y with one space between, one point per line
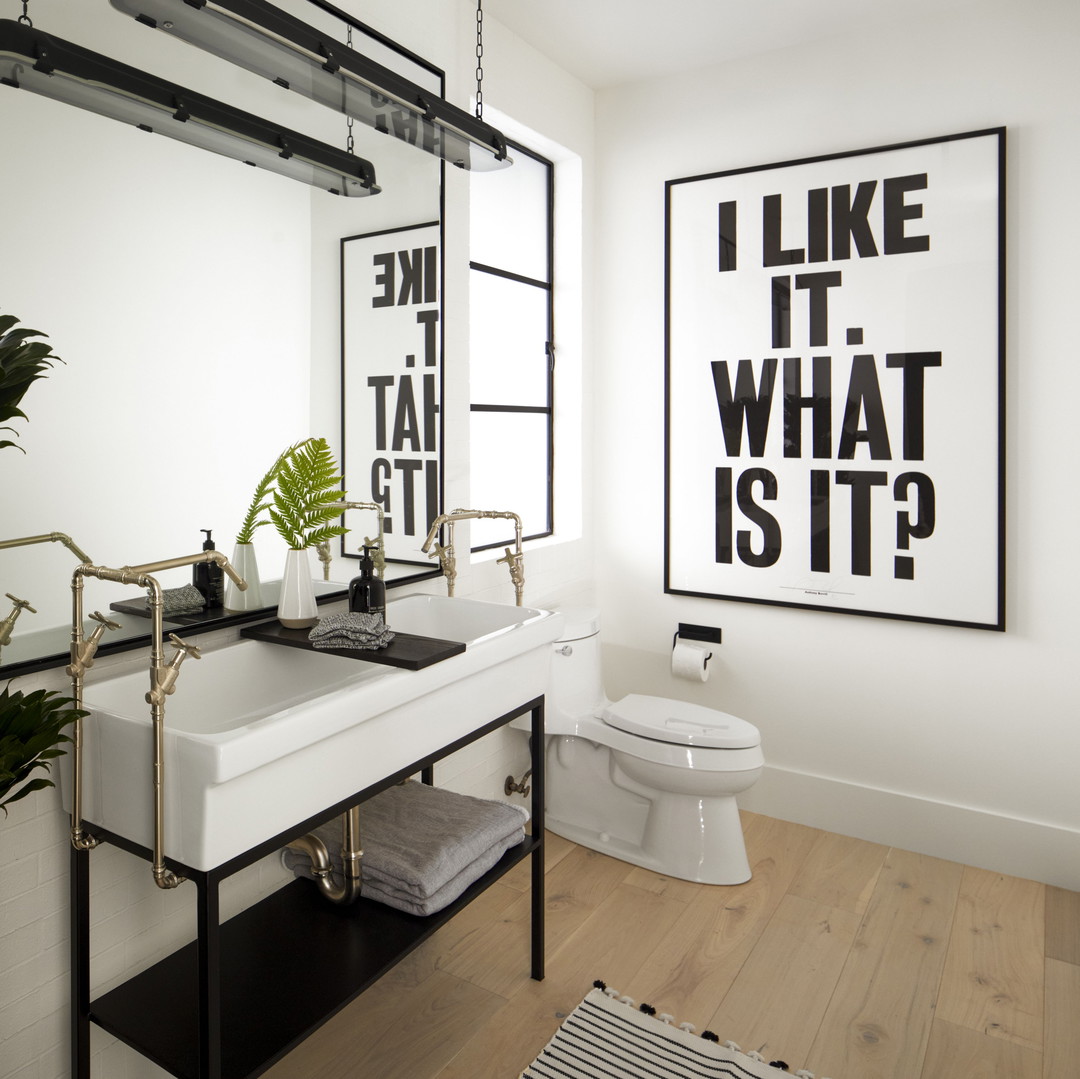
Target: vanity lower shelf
287 964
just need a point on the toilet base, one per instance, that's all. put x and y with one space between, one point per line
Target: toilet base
734 870
591 801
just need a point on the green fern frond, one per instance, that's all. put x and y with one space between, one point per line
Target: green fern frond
307 482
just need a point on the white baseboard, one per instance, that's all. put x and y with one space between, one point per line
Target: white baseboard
1019 848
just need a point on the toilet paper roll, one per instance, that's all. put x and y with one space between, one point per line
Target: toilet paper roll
688 660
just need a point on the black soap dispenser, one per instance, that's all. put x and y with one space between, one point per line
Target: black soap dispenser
209 577
367 594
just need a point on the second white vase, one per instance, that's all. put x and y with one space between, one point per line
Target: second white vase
296 604
245 563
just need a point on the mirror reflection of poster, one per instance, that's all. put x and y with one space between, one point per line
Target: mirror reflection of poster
391 334
835 357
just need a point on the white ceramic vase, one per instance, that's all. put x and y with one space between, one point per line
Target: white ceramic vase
296 604
245 563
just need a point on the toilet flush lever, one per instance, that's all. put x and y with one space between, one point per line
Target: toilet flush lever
566 650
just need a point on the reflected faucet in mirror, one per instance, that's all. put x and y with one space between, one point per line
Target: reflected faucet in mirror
8 623
21 605
162 682
378 559
515 559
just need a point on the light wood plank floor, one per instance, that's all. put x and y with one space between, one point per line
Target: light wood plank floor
852 960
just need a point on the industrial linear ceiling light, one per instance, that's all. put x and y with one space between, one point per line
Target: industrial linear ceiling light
46 65
268 41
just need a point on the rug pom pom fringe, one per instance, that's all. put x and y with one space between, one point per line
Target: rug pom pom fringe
708 1035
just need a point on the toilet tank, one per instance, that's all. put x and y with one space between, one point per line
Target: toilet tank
577 688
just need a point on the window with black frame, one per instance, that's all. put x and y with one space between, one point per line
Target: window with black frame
512 350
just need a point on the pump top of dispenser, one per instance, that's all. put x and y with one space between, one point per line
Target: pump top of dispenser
208 543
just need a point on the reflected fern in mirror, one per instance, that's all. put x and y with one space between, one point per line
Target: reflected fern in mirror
262 499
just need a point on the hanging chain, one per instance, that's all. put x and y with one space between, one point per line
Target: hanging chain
479 60
24 18
349 142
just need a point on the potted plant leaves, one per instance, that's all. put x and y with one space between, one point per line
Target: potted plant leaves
31 724
302 509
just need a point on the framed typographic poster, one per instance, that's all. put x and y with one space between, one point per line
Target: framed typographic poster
834 382
391 336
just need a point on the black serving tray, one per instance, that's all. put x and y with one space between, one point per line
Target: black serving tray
406 650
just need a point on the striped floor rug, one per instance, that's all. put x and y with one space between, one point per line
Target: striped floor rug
606 1037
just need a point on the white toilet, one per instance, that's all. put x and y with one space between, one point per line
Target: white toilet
649 780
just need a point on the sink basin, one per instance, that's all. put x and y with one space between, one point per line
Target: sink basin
470 621
259 737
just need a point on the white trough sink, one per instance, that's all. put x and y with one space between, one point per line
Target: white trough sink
260 736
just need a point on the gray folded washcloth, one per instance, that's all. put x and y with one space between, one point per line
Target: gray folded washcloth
179 600
423 846
350 629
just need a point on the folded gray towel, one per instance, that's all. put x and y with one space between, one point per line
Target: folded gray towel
385 892
423 846
350 629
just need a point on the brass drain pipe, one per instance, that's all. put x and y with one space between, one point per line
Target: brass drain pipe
348 891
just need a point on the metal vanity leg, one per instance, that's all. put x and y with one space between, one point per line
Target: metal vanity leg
79 880
209 948
536 748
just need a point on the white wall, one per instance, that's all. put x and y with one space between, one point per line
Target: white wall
196 302
957 742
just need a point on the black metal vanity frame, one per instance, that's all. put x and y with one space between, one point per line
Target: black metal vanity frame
233 1002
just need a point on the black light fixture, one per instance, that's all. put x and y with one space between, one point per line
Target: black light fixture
47 65
268 41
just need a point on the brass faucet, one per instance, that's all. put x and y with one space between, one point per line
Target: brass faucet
447 561
162 682
378 544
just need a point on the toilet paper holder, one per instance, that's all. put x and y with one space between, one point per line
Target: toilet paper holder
690 632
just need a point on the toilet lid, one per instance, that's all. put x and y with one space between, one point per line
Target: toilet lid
680 723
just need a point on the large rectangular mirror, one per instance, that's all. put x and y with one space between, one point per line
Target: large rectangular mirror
196 304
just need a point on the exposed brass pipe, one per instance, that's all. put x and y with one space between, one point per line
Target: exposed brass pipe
162 682
515 560
310 845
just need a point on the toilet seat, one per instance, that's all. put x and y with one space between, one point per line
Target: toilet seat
680 723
